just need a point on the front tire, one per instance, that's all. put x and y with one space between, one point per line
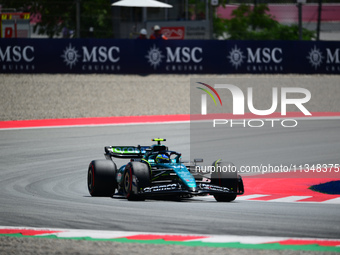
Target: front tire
136 177
223 178
101 178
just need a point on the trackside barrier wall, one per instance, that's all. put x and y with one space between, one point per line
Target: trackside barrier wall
171 56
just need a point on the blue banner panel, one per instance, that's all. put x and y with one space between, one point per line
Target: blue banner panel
171 56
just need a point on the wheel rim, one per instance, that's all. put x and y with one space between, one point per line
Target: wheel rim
90 179
127 182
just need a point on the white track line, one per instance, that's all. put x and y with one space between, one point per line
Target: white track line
332 201
251 196
290 199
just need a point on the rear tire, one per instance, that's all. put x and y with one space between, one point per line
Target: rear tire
224 178
131 187
101 178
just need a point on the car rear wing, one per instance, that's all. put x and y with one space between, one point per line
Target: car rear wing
126 151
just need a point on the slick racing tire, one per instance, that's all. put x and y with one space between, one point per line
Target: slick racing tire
101 178
136 177
222 177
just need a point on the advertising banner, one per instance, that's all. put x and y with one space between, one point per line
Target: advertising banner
177 30
170 56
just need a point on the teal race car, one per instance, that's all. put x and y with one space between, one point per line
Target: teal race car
156 171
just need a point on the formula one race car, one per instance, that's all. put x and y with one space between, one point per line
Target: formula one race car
154 171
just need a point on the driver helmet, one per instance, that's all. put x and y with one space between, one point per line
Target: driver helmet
162 158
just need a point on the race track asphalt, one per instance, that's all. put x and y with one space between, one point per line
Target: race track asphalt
43 183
